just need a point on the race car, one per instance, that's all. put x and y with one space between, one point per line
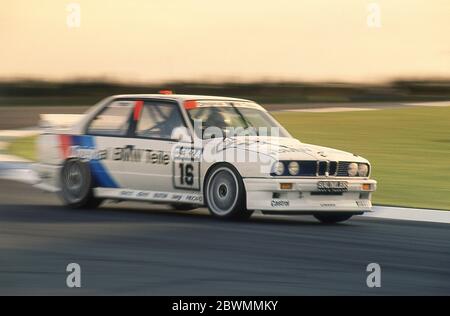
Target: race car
189 151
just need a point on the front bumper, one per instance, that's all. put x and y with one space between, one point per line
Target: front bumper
265 194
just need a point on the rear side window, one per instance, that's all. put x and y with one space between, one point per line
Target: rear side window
114 120
159 120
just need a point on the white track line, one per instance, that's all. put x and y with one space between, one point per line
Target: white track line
20 175
330 110
437 103
11 158
410 214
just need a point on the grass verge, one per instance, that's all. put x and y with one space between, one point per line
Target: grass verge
409 149
24 147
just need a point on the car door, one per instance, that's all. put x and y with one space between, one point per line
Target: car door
150 163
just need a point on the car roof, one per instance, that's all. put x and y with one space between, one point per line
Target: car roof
179 97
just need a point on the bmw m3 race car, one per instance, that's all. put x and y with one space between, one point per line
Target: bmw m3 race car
188 151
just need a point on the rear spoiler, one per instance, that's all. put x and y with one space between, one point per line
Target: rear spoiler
59 121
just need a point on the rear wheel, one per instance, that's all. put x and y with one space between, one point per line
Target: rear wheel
76 185
333 218
225 193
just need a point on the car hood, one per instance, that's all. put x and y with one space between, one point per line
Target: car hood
285 148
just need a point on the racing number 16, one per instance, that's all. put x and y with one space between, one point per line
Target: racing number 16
186 174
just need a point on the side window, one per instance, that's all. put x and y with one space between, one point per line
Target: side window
113 120
159 120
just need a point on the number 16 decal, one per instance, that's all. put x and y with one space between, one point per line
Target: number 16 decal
186 175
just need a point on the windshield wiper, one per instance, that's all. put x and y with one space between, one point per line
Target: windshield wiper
246 122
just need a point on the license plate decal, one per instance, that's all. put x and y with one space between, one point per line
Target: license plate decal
332 186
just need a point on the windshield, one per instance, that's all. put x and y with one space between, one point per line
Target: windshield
235 121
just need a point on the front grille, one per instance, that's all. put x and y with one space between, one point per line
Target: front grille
342 169
333 168
308 168
321 168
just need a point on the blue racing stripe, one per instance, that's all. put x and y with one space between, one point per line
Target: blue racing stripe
100 174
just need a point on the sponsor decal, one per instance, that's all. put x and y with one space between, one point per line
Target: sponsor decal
332 186
161 196
363 203
187 153
194 198
131 154
157 157
128 154
84 147
280 203
327 205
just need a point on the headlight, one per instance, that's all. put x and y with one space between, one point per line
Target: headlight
352 169
363 170
293 168
278 168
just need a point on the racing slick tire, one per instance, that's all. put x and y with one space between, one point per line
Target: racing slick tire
76 185
225 194
333 218
183 207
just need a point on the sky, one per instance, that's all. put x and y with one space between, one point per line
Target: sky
225 40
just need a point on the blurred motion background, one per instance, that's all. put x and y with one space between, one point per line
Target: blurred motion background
389 56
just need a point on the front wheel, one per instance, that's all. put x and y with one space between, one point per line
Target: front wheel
225 194
332 218
76 185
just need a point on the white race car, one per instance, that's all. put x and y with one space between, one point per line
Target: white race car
190 151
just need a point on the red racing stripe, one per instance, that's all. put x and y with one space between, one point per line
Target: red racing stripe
190 104
65 141
138 105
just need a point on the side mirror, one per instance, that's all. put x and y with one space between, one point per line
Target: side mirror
181 134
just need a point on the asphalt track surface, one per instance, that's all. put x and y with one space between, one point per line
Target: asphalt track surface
136 249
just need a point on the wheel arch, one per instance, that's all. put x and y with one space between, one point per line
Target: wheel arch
238 210
65 161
